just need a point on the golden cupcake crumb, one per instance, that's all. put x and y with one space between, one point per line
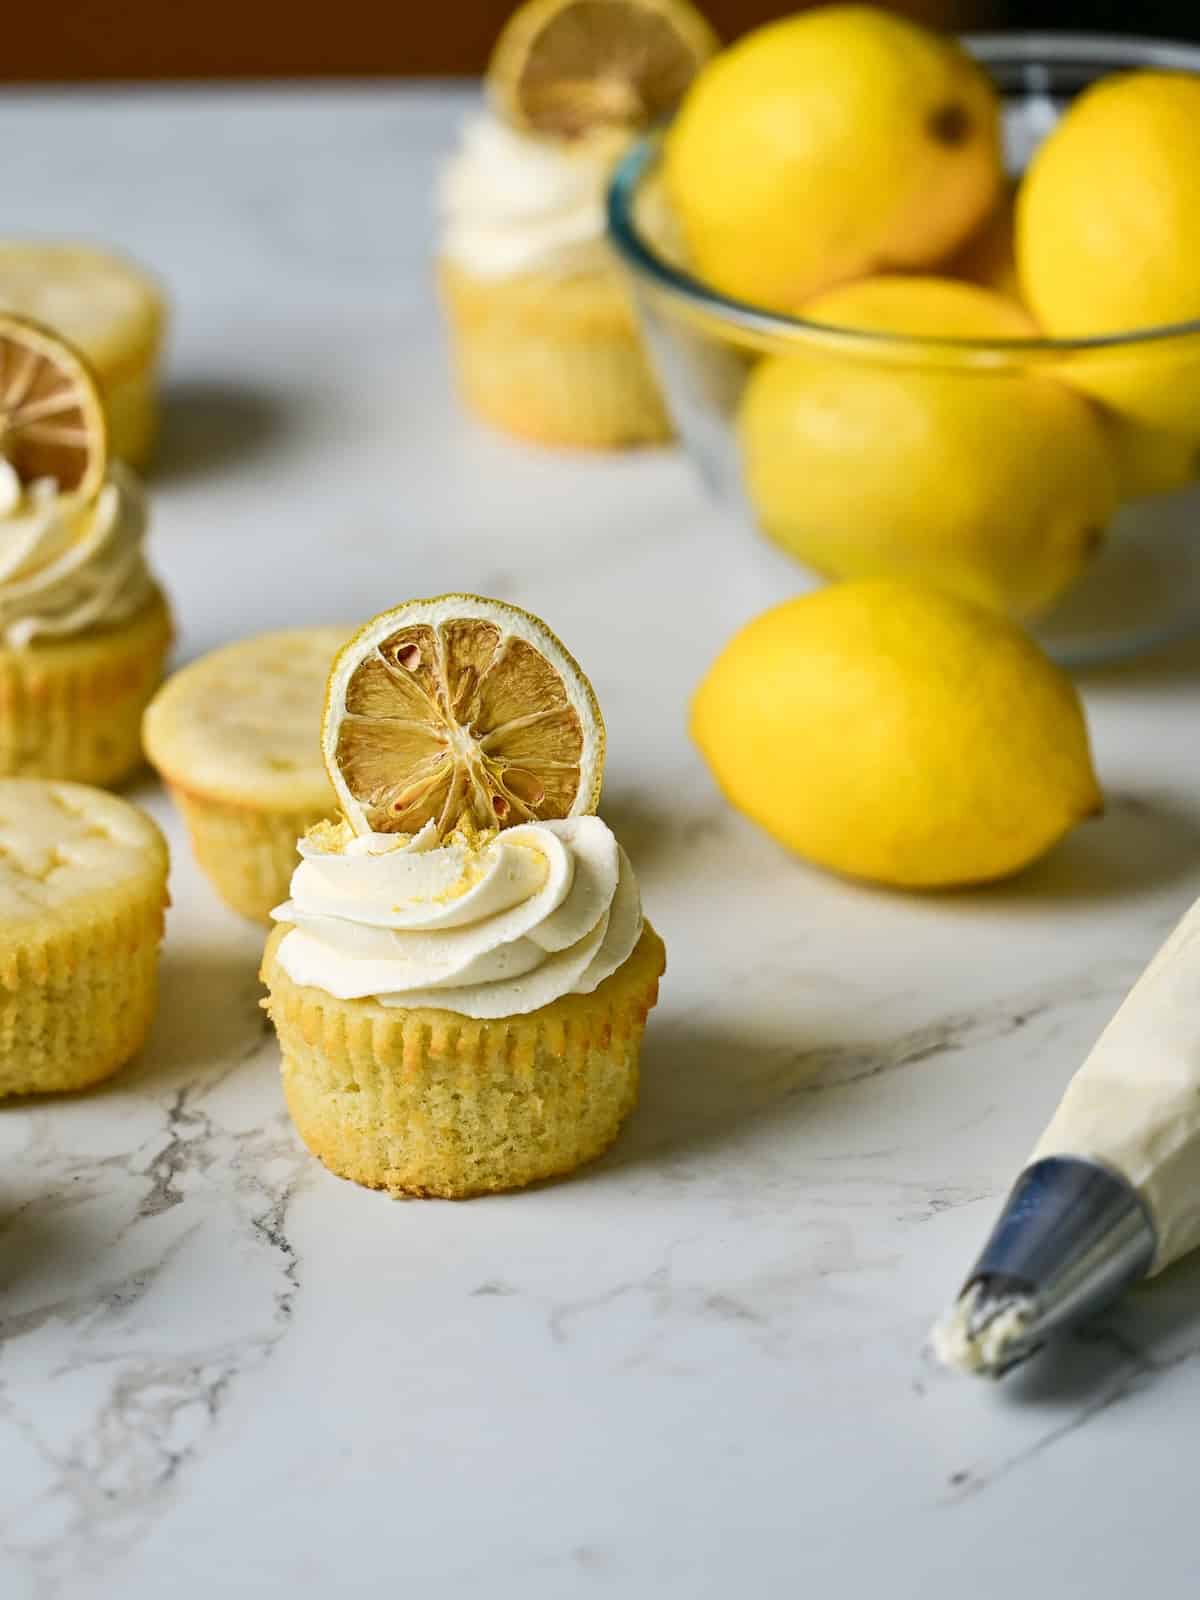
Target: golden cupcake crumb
82 895
552 360
71 708
427 1102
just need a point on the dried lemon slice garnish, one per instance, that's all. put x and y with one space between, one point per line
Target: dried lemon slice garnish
51 419
461 711
569 67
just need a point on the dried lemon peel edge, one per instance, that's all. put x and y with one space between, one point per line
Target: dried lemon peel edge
608 93
464 758
27 349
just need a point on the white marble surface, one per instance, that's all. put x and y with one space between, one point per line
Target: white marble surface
696 1369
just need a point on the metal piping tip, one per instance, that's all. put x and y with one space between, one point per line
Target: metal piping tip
987 1331
1071 1238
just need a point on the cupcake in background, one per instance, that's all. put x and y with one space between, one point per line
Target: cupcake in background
462 974
84 628
545 342
235 736
114 314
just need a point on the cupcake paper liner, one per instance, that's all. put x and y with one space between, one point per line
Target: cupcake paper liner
427 1102
131 407
561 364
72 708
248 855
77 1002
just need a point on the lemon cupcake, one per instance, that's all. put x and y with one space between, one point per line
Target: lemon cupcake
545 341
461 977
82 892
109 309
235 736
84 629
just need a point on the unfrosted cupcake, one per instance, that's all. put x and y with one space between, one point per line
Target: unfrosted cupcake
236 738
545 341
84 628
82 893
460 1006
112 311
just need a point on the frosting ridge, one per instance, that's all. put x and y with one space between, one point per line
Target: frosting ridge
511 203
67 564
492 927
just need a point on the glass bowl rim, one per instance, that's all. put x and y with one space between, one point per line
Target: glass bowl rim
991 49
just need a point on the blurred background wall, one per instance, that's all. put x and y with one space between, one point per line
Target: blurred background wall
147 39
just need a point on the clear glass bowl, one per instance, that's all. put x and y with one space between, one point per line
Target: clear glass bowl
1143 587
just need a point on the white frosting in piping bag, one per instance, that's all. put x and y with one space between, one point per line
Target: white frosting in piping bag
958 1344
487 930
1134 1105
512 204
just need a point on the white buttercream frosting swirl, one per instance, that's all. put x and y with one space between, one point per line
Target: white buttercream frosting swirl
67 565
491 929
511 203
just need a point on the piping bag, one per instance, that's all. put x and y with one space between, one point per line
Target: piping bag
1112 1190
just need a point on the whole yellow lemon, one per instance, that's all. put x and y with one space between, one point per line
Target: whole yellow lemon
994 483
1152 461
889 732
1108 238
989 256
831 144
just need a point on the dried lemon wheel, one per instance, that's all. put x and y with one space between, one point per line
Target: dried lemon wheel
51 419
464 712
567 67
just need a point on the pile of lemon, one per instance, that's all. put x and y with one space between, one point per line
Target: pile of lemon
845 165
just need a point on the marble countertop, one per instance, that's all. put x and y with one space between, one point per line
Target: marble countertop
696 1369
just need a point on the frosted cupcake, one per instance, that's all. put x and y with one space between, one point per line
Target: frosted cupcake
84 629
545 342
82 893
112 311
459 1006
236 738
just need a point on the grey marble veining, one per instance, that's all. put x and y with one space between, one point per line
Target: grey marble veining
122 1336
696 1369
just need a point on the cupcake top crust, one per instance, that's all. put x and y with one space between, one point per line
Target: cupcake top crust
109 308
243 724
67 850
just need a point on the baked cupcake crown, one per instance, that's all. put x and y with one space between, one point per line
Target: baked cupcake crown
63 845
